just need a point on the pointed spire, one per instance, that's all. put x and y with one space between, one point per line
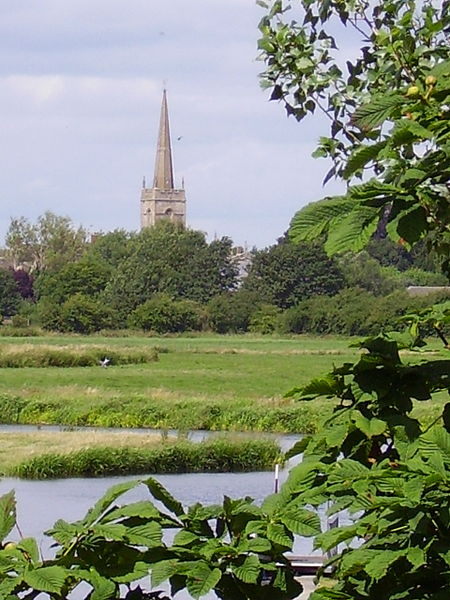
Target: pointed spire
163 164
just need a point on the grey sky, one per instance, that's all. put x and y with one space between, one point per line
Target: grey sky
81 90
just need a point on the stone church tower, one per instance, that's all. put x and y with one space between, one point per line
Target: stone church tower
163 201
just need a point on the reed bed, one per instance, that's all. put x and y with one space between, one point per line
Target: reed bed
31 355
217 456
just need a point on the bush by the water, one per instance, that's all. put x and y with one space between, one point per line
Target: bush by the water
28 355
217 456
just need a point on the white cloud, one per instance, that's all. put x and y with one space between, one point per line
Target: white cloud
81 88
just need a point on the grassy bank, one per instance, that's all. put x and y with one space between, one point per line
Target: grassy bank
92 454
45 355
205 382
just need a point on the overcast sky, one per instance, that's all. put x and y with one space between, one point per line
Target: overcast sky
81 85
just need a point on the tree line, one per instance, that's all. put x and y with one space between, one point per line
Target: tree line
169 279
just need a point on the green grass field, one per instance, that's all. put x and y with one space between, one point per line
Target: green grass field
211 382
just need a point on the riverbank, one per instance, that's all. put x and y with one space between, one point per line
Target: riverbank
217 383
56 455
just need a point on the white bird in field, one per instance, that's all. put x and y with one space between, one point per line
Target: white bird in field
105 362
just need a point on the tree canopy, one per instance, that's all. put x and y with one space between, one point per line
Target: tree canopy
47 244
287 273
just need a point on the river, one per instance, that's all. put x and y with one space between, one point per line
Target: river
41 503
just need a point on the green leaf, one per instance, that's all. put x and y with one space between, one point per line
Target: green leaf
184 538
377 111
249 570
361 156
63 532
257 545
202 580
104 589
110 531
313 220
276 532
410 225
149 534
160 493
370 427
105 501
162 570
301 521
46 579
30 547
352 232
7 514
379 564
143 509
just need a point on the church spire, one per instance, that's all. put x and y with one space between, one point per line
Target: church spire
163 179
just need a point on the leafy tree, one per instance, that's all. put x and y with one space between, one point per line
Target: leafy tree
389 114
363 271
373 458
9 293
86 276
170 259
46 245
111 248
286 273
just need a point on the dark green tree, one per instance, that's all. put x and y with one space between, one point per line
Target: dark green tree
286 273
172 260
86 276
9 294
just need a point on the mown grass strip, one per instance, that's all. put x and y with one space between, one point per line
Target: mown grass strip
217 456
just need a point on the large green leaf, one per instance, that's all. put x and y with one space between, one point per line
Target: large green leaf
46 579
30 548
276 532
103 588
249 570
352 232
160 493
313 220
149 534
202 580
162 570
63 532
301 521
377 111
361 156
381 561
7 514
105 501
143 509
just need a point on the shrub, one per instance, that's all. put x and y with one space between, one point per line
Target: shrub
265 320
232 312
164 315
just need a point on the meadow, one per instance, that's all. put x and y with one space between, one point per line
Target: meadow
204 382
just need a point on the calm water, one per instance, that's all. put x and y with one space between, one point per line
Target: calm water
41 503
